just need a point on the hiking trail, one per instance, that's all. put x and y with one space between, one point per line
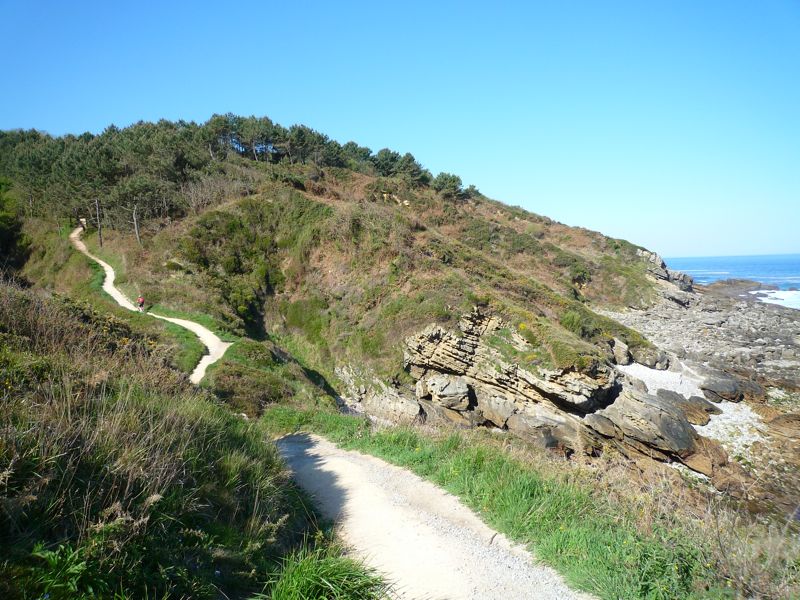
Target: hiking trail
418 536
215 346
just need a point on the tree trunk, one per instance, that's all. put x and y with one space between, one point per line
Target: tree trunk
99 225
136 224
210 151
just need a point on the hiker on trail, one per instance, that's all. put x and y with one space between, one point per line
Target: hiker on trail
140 303
82 222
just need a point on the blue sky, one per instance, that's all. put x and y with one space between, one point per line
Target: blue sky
675 125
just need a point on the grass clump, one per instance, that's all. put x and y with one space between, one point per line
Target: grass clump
322 573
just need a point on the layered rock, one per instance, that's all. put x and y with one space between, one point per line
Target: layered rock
658 269
696 409
462 379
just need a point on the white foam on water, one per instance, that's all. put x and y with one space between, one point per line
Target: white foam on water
787 298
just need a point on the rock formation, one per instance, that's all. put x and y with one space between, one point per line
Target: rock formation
658 269
462 379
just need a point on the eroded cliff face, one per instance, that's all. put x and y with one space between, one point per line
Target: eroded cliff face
461 378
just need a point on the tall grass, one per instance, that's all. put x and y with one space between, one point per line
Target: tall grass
115 477
322 573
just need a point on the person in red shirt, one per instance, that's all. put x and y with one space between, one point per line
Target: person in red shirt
140 303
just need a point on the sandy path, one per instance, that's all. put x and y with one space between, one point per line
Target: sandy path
215 346
419 536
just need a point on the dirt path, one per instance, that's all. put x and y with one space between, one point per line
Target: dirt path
419 536
215 346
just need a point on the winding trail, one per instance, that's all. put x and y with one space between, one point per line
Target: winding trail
215 346
421 538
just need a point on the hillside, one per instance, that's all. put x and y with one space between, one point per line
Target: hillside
361 245
354 281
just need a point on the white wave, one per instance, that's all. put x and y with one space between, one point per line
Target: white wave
787 298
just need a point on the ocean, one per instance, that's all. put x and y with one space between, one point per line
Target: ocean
779 270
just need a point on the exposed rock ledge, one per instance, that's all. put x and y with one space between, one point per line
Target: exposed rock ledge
461 379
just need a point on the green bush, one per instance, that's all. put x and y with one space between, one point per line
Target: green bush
581 324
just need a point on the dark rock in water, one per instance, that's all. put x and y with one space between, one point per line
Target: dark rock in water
696 409
718 389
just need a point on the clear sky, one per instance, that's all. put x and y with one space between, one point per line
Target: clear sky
674 124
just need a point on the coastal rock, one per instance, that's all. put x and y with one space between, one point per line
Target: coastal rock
721 388
650 357
622 354
708 457
463 381
725 329
696 409
684 282
448 391
548 427
658 269
389 403
496 408
651 421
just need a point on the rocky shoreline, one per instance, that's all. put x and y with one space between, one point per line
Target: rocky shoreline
699 397
717 329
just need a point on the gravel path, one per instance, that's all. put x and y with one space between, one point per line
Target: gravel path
215 346
422 538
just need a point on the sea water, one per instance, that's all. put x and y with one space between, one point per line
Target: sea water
778 270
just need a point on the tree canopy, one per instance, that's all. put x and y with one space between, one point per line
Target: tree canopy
165 169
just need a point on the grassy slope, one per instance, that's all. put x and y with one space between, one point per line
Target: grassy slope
341 276
350 277
117 479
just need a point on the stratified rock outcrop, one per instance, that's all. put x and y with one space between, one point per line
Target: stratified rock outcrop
463 379
658 269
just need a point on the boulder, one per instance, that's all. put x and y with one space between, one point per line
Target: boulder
548 427
449 391
707 458
434 413
495 407
650 421
389 403
684 282
622 354
721 388
696 409
650 357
